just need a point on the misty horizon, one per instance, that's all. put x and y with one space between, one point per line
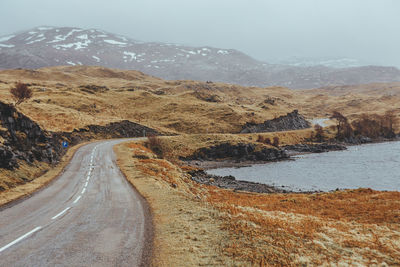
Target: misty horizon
270 31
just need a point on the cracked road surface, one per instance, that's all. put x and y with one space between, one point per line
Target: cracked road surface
88 216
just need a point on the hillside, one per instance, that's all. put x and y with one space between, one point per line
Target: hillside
73 97
52 46
206 224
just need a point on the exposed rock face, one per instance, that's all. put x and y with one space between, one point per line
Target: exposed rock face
239 152
7 158
25 140
291 121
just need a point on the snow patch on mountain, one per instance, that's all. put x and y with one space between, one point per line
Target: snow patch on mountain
74 46
223 52
44 28
131 54
6 38
37 40
96 58
114 42
83 36
7 46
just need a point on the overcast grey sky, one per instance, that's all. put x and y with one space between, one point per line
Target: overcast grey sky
368 30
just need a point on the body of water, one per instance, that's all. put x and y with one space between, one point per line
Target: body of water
375 166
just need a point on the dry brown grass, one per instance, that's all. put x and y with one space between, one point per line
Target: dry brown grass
60 104
353 227
187 231
186 144
347 227
223 227
362 205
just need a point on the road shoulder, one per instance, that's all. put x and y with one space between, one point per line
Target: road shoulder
14 195
186 231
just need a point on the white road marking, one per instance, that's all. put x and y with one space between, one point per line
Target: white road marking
61 213
20 238
86 184
77 199
83 190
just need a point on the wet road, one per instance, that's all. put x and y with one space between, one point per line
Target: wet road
89 216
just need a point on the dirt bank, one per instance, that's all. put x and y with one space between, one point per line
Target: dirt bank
187 231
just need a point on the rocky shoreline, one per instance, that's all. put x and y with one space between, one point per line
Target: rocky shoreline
230 182
241 155
313 148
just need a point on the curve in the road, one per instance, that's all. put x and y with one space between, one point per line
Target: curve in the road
89 216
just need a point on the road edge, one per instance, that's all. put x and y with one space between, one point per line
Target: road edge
148 247
63 164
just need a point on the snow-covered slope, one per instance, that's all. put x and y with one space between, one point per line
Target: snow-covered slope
50 46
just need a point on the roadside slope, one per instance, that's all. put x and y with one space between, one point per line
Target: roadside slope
187 232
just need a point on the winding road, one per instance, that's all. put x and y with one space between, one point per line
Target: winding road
88 216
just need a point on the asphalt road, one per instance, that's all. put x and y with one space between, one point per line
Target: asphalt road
89 216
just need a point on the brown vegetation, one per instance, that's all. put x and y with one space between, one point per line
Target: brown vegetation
290 225
374 125
20 93
367 125
319 133
275 141
343 126
186 231
353 227
173 106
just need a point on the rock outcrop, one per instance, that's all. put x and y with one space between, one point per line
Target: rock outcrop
23 139
230 182
239 152
291 121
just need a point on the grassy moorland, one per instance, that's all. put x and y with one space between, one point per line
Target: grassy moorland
205 225
213 226
71 97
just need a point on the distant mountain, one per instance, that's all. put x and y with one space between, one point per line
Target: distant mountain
51 46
